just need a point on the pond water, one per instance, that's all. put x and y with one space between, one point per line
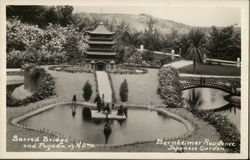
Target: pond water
213 99
141 125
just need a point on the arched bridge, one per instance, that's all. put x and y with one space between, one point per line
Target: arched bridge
209 84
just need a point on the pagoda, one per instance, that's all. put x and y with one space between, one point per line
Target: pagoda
100 52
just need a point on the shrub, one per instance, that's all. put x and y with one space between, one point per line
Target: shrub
29 44
14 59
21 36
170 89
228 131
43 56
72 49
45 88
148 56
124 91
87 91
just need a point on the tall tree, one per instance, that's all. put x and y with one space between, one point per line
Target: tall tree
72 48
150 24
41 15
65 13
182 44
224 43
29 14
196 50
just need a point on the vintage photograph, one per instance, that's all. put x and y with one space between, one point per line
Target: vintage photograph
124 78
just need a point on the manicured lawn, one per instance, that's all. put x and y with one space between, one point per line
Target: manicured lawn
211 70
69 84
142 88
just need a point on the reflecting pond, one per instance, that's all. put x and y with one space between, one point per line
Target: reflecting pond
141 125
213 99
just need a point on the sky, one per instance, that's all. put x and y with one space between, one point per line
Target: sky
190 15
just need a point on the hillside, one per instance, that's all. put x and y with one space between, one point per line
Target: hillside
138 22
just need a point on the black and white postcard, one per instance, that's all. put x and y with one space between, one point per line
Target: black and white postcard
143 79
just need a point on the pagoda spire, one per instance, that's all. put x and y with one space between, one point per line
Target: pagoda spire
101 15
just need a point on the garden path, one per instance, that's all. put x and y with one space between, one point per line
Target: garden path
104 86
179 64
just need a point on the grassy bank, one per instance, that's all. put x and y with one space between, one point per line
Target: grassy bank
204 69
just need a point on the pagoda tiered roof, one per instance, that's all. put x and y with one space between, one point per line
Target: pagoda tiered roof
101 42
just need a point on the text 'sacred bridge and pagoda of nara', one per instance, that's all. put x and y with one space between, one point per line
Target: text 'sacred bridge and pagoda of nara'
100 54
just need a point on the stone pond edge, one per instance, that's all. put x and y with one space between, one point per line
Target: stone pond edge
191 128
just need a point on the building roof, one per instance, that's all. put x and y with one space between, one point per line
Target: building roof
100 29
101 53
101 42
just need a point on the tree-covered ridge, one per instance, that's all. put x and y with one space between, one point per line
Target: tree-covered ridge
53 34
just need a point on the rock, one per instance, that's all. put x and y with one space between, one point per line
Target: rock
20 93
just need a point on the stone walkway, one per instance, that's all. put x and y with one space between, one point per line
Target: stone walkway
104 86
179 64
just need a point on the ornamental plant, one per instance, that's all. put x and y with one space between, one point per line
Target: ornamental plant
169 88
21 36
124 91
15 59
30 44
87 91
227 130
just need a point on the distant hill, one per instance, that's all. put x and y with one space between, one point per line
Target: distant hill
138 22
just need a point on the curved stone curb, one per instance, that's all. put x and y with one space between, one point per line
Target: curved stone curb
53 68
190 128
37 111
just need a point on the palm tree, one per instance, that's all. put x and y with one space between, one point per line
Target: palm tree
196 50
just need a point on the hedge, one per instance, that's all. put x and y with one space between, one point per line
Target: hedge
170 89
227 130
45 89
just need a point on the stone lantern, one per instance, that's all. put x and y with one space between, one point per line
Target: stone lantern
92 64
238 62
112 64
172 55
142 48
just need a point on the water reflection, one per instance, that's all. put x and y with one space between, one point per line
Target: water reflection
141 125
107 131
121 122
227 107
212 99
194 99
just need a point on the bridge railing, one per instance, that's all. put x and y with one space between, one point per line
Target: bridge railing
203 83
